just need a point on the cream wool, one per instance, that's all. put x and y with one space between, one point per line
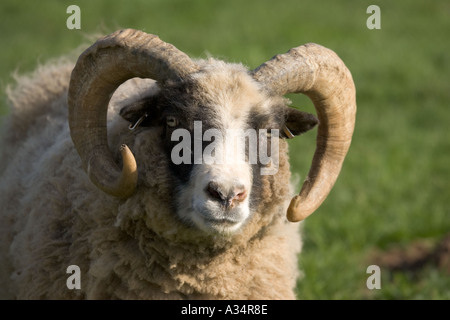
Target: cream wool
52 216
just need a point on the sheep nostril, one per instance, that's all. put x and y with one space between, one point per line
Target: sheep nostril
213 192
239 197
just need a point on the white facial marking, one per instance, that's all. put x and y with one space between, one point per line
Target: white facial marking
216 197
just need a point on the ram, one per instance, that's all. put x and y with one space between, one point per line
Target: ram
98 171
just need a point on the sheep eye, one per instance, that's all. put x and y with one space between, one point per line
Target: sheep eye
171 121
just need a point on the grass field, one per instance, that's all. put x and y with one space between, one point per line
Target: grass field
394 190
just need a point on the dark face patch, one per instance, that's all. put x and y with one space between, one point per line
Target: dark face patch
186 119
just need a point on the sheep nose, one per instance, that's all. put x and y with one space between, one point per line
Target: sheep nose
228 196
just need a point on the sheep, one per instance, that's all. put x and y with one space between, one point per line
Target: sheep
88 176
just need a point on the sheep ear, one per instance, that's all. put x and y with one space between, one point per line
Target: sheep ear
145 112
297 122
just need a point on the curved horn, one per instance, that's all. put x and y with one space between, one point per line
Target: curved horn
99 71
320 74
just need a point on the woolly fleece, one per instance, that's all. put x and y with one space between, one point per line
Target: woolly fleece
52 216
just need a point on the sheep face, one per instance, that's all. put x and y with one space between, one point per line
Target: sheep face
221 132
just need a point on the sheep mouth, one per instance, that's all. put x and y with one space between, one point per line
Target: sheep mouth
220 225
220 221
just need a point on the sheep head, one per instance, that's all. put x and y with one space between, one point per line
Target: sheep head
234 98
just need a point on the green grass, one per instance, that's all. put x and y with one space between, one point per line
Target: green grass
394 186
